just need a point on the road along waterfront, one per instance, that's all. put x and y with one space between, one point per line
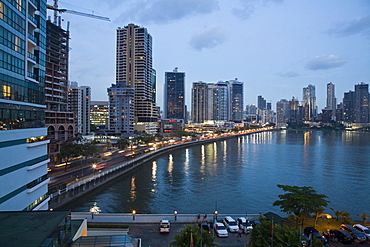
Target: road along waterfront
240 175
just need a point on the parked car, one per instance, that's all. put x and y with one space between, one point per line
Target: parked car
356 234
341 235
220 230
363 229
315 233
205 227
230 224
164 226
255 223
244 224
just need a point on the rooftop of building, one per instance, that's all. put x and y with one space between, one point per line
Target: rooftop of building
24 228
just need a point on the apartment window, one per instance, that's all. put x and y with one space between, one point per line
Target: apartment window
1 11
19 5
17 43
6 92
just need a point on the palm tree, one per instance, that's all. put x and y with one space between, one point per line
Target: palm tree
337 213
364 217
318 212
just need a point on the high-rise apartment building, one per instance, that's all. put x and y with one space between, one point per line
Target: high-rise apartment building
121 109
362 109
261 102
349 107
218 101
356 105
309 102
99 114
59 121
134 69
174 95
331 101
282 113
199 102
23 142
237 100
79 99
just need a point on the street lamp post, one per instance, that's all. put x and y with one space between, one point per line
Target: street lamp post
216 213
175 213
94 210
94 167
133 214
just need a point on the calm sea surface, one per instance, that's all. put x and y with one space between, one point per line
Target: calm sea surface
241 174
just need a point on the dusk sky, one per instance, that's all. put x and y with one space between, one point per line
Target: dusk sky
276 47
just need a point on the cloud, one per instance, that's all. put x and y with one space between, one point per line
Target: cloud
247 7
207 38
360 26
325 62
245 11
289 74
164 11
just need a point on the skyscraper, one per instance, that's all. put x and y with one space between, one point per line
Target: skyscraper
237 100
134 69
331 101
174 95
309 102
199 102
362 109
261 102
121 109
23 143
59 121
282 113
79 99
218 101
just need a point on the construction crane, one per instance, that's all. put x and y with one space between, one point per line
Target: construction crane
56 10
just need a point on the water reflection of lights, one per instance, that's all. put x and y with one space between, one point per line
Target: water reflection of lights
203 159
154 170
306 138
214 152
170 164
154 175
186 165
133 189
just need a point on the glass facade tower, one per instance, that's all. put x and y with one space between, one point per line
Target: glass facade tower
23 144
174 101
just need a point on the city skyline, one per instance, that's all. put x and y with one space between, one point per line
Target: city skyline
275 47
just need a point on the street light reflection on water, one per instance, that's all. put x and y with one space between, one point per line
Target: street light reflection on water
242 175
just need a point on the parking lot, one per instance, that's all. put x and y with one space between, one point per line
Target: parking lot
150 236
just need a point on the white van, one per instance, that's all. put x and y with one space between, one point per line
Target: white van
164 226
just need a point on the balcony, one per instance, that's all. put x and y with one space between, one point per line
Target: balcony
31 75
32 19
32 37
32 56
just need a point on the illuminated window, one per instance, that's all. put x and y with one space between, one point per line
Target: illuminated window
17 43
19 4
1 10
6 92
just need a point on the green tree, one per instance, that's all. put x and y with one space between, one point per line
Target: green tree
88 149
193 233
301 201
68 151
338 214
364 217
122 143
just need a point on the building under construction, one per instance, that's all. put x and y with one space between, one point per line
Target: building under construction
59 121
